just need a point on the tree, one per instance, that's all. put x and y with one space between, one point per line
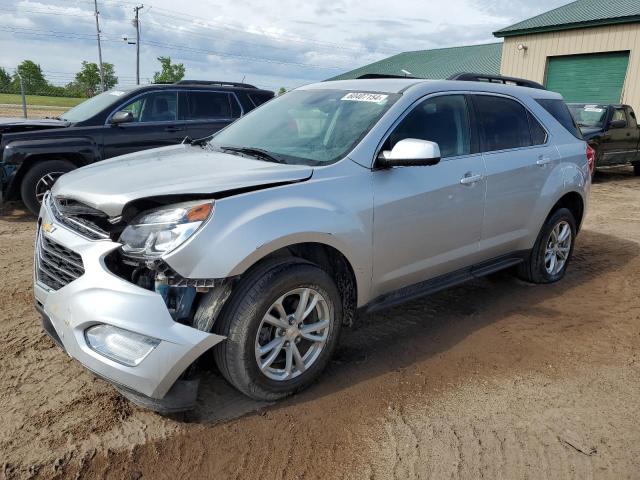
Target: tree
88 78
5 80
170 73
282 91
32 76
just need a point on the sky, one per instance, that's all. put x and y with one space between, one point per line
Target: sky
270 43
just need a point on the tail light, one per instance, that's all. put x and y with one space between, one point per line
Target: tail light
591 159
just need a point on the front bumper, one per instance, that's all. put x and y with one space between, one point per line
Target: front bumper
99 296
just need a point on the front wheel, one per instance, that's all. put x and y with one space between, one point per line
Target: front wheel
39 179
552 251
282 326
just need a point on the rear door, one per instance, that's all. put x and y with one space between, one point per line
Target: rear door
518 158
207 112
155 124
428 220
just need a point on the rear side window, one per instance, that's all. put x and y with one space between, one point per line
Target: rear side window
559 110
259 98
504 123
618 115
211 106
538 134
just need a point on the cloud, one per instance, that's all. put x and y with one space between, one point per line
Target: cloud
269 43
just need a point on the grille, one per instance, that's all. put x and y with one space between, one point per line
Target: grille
84 227
56 266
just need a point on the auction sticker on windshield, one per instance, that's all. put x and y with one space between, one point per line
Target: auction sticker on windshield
365 97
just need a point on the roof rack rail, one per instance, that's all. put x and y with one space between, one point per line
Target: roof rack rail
215 83
483 77
381 75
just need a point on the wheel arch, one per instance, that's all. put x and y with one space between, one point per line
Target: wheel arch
325 254
574 202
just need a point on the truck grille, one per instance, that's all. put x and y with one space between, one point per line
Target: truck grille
56 266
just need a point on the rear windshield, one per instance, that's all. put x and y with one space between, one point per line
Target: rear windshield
561 113
588 115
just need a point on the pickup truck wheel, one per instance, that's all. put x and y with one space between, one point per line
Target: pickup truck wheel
39 179
551 253
282 327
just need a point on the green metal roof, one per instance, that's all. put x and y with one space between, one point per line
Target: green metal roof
436 64
579 14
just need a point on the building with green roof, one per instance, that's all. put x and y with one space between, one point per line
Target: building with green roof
588 50
436 63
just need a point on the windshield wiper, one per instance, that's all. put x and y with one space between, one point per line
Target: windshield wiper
254 152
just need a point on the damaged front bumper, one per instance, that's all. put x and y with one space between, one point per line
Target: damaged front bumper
97 296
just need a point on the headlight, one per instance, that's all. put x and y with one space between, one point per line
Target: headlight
120 345
157 232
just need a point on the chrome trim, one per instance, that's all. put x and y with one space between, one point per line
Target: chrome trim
59 272
81 228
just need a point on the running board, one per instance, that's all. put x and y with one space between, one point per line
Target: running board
442 282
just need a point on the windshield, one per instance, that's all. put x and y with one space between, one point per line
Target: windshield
313 127
93 106
588 115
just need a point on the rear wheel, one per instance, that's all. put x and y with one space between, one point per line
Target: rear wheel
282 327
39 179
551 253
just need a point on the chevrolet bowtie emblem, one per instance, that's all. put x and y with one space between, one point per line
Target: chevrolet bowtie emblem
49 228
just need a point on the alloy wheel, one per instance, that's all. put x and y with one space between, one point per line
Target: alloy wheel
558 248
292 334
46 183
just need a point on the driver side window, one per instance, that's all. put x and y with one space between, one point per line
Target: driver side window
443 119
153 107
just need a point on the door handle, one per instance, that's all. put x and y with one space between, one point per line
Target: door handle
470 179
543 160
174 129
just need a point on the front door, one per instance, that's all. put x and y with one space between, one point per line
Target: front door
155 124
428 220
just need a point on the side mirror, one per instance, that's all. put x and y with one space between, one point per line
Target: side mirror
121 117
410 152
617 124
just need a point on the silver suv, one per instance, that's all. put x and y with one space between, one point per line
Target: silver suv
335 199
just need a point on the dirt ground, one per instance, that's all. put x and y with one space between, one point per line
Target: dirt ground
494 379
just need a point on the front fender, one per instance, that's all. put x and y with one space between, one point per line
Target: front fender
82 148
246 228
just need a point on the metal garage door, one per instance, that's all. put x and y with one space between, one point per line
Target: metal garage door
596 78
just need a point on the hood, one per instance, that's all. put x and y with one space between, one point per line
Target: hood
8 125
176 170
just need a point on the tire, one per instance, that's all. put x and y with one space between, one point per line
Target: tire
242 321
636 169
46 172
535 268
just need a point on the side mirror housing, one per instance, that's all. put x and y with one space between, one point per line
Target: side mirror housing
121 117
617 124
410 152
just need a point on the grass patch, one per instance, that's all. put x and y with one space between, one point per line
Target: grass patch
15 99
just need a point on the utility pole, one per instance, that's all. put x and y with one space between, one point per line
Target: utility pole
136 23
95 8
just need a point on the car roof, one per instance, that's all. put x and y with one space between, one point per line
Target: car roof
399 85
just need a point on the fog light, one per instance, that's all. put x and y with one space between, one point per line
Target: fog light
120 345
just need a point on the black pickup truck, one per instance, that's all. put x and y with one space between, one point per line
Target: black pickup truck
34 153
612 131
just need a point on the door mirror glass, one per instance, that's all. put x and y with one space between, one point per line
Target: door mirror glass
617 124
122 117
410 152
